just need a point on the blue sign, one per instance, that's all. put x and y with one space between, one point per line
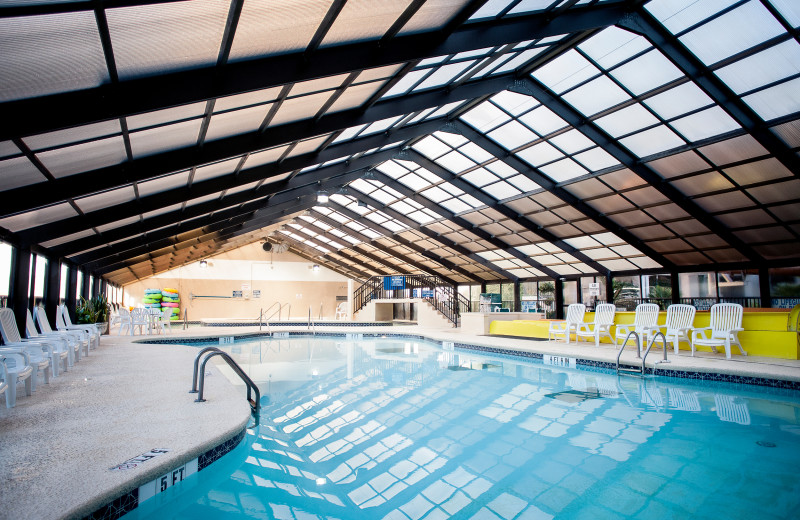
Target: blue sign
427 293
394 282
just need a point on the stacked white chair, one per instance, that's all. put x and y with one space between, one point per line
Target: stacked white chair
124 321
77 339
644 324
723 330
63 322
575 312
39 355
15 368
165 320
61 347
601 326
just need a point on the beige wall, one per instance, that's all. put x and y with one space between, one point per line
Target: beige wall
283 278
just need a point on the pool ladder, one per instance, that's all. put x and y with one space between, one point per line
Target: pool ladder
639 350
214 351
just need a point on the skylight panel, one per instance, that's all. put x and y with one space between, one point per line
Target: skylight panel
498 62
446 109
427 62
679 100
765 67
361 185
431 147
565 71
529 6
452 190
539 154
677 15
613 45
406 83
392 169
444 74
455 205
455 162
428 175
485 117
735 31
436 194
543 121
582 242
596 159
563 170
708 123
597 95
476 153
626 120
415 182
789 9
514 103
523 183
572 141
479 177
473 54
453 139
652 141
646 72
501 190
422 115
382 196
380 126
776 101
607 239
501 169
402 207
472 201
490 9
421 217
519 60
512 135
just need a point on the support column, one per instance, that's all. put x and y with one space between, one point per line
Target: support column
32 285
764 287
559 298
517 304
675 282
85 289
52 289
72 289
609 288
20 280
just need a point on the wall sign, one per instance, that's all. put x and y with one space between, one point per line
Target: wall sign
134 462
256 293
237 294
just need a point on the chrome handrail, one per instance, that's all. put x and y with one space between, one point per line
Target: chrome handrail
185 318
251 386
638 350
311 323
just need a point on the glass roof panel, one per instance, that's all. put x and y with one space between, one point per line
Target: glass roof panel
455 162
431 147
501 169
38 217
677 15
765 67
406 82
33 61
444 74
485 117
355 96
512 135
789 9
479 177
451 138
626 120
17 172
572 141
539 154
264 157
678 100
527 6
543 120
707 123
490 9
566 71
777 101
563 170
153 39
523 183
652 141
513 103
303 107
415 182
596 159
597 95
501 190
73 135
361 20
236 122
613 45
519 60
84 157
164 138
433 13
734 31
646 72
475 152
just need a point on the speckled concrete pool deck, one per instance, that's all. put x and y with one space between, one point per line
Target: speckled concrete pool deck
57 446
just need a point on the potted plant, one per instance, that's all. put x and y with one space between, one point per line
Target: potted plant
95 311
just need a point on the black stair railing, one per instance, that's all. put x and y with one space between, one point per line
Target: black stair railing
440 294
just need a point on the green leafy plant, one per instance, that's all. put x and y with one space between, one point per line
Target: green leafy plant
547 293
94 310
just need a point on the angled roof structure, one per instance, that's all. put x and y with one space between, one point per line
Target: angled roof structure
477 140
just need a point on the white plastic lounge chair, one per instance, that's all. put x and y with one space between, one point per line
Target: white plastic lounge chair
61 347
77 339
680 320
724 328
165 320
63 322
40 354
644 325
15 368
575 312
603 321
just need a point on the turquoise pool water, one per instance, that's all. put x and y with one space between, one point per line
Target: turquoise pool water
402 429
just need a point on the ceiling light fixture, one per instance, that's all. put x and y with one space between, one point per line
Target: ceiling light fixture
203 264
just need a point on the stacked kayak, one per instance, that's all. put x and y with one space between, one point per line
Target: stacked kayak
152 298
171 299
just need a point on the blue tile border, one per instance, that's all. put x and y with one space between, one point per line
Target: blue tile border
299 324
126 503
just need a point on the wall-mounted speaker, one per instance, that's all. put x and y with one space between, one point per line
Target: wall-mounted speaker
267 246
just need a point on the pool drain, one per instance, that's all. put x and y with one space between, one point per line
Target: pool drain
766 444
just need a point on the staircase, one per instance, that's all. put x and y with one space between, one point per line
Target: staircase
441 295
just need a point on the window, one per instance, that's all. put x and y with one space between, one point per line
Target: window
78 286
62 291
507 296
5 272
784 287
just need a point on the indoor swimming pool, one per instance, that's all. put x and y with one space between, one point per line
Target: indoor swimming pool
403 429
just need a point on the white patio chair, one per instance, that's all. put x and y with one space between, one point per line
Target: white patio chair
724 329
124 321
39 354
575 312
113 317
644 325
61 347
78 340
165 321
601 326
341 311
15 368
63 322
140 318
680 320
